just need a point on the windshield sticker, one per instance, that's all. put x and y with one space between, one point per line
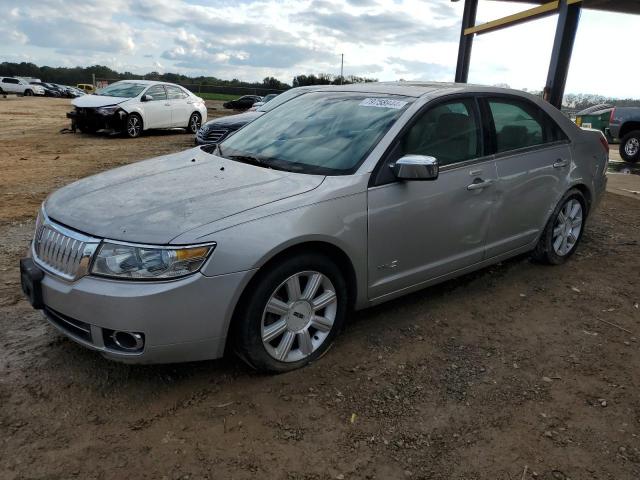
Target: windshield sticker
383 103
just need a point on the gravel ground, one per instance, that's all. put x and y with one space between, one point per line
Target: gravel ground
519 371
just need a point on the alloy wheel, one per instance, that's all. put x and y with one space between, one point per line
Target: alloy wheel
133 126
567 228
299 316
632 146
194 123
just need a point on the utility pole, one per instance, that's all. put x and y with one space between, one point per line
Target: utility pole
341 67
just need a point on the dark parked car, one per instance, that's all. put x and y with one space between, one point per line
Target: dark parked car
624 125
49 91
217 130
243 103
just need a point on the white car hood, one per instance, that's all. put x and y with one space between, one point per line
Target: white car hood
92 101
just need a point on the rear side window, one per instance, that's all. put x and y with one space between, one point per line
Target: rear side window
449 132
516 125
521 124
174 93
10 80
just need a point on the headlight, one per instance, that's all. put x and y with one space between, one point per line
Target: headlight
108 110
149 263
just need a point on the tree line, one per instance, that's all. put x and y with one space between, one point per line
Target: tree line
75 75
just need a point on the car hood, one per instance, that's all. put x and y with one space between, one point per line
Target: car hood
156 200
231 121
91 101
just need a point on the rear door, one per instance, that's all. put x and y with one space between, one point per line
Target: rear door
11 85
180 109
533 159
157 112
421 230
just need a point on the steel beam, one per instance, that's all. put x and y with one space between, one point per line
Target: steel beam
568 20
466 41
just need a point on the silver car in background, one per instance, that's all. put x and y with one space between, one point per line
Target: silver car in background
340 199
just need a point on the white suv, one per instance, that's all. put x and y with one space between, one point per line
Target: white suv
19 86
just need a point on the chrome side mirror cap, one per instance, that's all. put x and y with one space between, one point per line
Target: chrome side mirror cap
416 167
146 98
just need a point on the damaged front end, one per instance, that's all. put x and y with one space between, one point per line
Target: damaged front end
109 118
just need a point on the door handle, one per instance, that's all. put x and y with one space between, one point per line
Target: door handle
480 185
560 163
167 104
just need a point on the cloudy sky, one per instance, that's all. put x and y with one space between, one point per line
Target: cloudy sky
246 39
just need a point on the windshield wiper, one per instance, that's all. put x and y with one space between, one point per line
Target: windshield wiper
249 159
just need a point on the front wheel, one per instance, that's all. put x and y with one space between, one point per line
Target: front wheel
28 93
133 125
563 231
293 314
630 146
195 121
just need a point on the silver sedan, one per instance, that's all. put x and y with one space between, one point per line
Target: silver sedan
339 199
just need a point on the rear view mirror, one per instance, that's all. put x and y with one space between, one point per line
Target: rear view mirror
146 98
416 167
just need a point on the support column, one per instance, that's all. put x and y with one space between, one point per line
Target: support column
466 41
568 20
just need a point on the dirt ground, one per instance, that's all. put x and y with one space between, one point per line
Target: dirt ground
519 371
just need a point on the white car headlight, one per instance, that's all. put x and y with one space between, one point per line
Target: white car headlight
107 110
120 260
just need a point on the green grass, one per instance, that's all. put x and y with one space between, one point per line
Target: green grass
217 96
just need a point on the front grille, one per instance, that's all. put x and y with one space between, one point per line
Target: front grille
73 327
62 251
215 136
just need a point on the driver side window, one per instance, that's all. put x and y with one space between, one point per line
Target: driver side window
449 132
157 92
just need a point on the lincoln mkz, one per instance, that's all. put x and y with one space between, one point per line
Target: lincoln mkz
341 198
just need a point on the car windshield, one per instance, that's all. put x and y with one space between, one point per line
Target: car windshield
280 99
327 133
122 89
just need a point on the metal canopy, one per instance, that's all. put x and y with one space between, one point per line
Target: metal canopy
568 12
618 6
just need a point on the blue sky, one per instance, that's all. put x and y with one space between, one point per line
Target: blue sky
249 40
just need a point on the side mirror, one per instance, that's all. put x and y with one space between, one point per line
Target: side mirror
146 98
416 167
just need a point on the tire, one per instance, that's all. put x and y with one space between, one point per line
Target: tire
133 126
561 237
27 93
307 331
195 122
630 146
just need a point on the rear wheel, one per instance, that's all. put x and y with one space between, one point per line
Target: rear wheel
630 146
195 122
133 125
293 314
564 230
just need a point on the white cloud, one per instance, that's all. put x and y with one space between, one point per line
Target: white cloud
250 39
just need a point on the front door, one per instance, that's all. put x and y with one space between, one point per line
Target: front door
421 230
157 112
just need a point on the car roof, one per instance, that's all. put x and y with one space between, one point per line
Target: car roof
148 82
417 88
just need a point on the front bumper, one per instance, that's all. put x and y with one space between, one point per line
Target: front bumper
181 320
89 119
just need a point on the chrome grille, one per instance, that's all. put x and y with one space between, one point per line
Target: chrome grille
215 135
62 251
